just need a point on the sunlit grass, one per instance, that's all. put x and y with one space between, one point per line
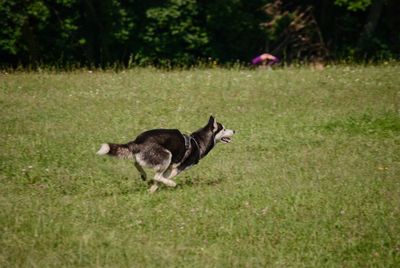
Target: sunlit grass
311 178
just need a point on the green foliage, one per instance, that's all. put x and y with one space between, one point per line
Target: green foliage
9 36
174 32
354 5
16 22
234 29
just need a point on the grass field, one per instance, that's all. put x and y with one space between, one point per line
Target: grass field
311 179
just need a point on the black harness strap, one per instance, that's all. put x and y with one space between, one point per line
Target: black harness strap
187 141
198 149
192 154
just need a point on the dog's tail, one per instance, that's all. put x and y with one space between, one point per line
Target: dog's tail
119 150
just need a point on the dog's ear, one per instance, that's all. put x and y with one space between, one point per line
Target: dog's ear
212 123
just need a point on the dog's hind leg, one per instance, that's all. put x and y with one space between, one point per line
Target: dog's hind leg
160 169
143 174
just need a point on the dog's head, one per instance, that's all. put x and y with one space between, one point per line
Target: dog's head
220 133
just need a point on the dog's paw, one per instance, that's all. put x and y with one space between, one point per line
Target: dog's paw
153 188
170 183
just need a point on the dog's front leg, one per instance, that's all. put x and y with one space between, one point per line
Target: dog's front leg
171 172
159 178
154 187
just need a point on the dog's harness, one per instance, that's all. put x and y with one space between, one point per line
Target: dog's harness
187 141
189 151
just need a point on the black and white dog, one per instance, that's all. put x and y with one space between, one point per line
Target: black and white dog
167 151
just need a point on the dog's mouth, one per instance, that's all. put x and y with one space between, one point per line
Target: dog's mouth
224 136
225 140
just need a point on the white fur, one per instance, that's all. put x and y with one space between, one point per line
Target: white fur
153 188
224 133
140 160
215 125
104 149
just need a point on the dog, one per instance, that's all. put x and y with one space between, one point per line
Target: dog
168 151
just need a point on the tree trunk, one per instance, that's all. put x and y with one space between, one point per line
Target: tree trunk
371 23
98 50
30 40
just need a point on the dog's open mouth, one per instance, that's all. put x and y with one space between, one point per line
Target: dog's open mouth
226 139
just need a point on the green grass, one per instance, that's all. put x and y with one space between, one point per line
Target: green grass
312 178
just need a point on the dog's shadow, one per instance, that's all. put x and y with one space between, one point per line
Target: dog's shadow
139 187
189 181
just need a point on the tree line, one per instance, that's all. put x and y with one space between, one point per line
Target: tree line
186 32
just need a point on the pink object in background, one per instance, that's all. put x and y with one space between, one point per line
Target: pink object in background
270 59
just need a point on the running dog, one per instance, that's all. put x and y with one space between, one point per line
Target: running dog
168 151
